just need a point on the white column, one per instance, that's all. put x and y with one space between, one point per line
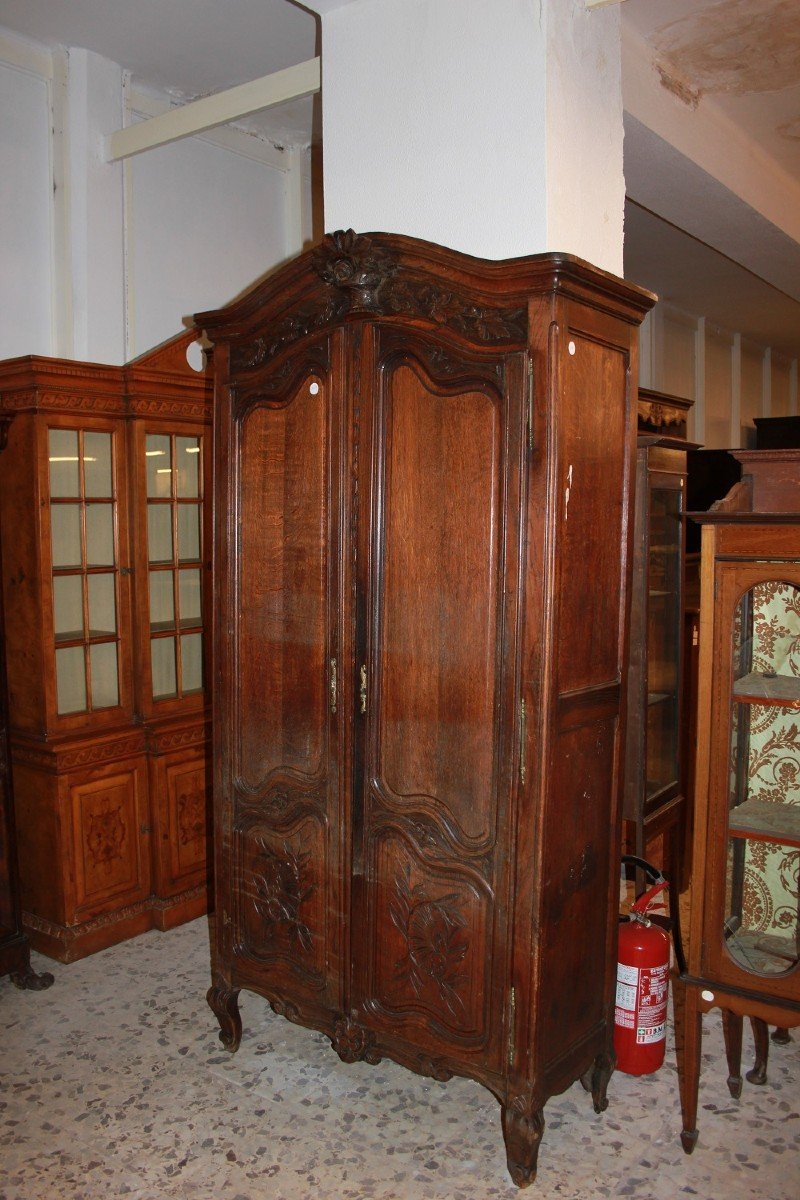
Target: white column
766 383
94 100
736 390
495 128
699 410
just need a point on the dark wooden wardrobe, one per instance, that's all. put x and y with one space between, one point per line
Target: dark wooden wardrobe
423 476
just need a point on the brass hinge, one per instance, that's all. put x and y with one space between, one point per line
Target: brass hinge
523 717
530 405
512 1013
333 685
363 691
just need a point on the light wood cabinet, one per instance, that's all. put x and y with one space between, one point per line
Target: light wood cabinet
106 577
423 478
744 922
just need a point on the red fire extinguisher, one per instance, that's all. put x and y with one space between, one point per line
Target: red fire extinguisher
640 1019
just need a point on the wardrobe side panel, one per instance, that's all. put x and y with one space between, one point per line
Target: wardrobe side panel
594 429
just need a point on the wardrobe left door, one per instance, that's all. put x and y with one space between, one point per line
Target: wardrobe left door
281 641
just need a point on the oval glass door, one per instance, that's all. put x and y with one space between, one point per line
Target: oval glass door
762 922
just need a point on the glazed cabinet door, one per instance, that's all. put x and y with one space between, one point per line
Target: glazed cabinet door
435 668
86 569
751 935
281 788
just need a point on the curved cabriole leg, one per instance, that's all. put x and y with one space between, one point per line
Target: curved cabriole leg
732 1029
758 1074
688 1037
595 1080
522 1130
224 1003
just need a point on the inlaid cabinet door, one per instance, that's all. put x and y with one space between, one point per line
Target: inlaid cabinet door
283 820
108 811
435 672
181 820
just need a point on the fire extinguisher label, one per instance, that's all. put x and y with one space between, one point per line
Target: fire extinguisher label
651 1022
627 984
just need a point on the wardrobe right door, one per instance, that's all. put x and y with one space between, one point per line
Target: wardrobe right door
435 658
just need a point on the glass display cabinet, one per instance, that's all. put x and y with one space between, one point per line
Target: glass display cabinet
744 922
653 805
106 569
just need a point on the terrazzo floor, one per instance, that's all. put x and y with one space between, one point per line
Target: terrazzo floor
113 1084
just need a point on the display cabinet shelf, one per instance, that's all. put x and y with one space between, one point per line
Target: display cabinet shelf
766 821
765 688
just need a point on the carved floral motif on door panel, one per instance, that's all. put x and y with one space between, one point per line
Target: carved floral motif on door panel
107 844
188 795
283 912
434 931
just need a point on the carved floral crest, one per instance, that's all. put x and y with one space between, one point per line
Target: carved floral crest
356 265
364 277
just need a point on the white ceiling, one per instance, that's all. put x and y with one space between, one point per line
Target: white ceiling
743 53
188 48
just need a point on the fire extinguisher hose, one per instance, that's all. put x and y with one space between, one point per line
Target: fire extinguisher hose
660 884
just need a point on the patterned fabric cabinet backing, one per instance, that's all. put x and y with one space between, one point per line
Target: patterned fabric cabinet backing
770 869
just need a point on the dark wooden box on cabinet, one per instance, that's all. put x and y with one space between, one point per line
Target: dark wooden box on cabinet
106 559
744 919
777 433
423 477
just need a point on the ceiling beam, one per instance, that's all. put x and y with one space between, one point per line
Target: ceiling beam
291 84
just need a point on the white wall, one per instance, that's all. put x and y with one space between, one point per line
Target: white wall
481 126
25 209
730 379
103 261
202 223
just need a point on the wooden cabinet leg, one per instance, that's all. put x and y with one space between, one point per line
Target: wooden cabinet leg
595 1080
732 1028
758 1074
523 1127
781 1037
224 1003
688 1038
